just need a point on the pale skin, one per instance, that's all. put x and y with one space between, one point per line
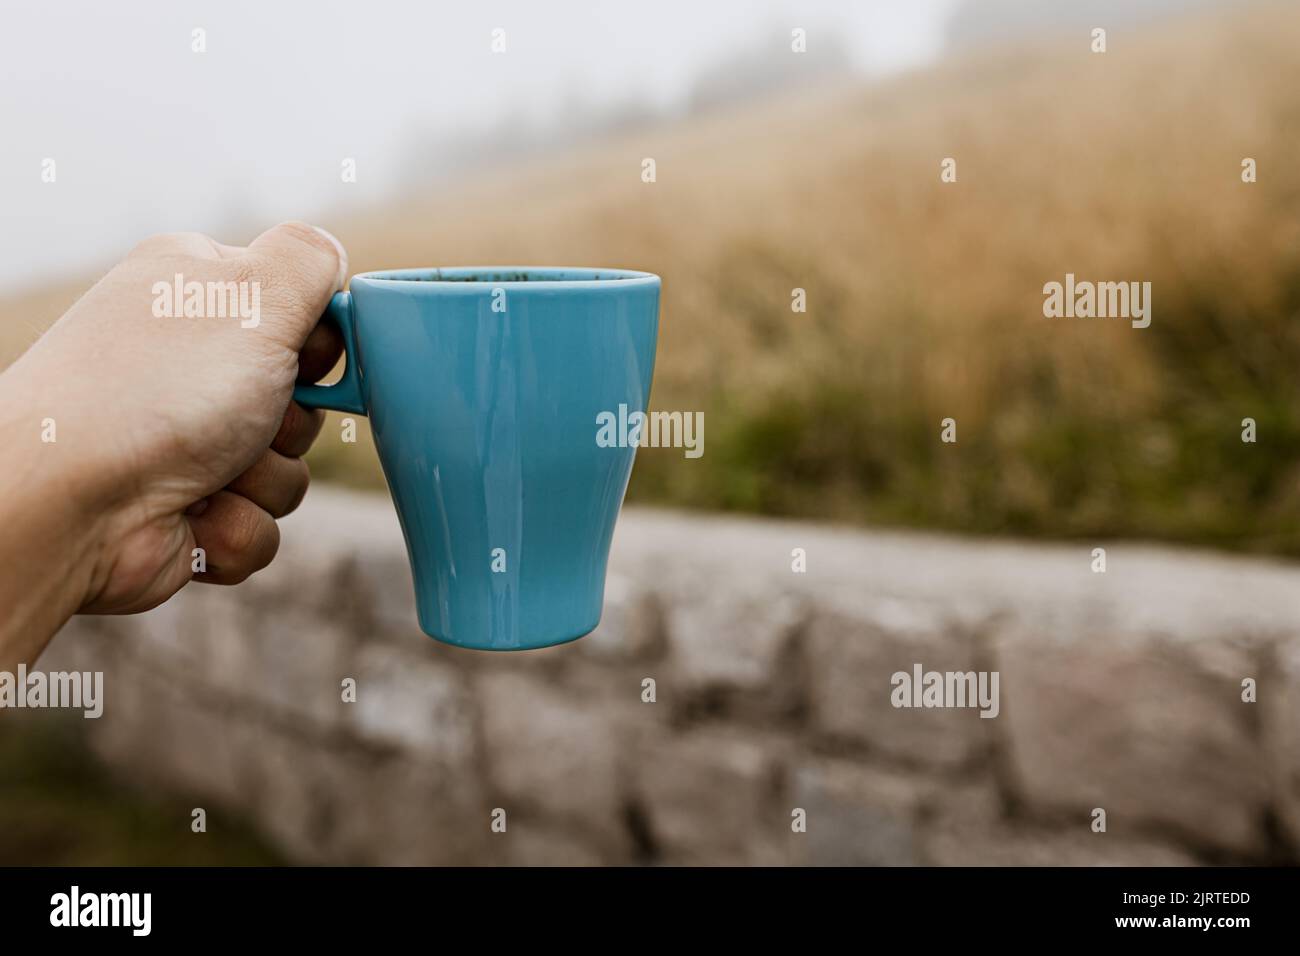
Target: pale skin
171 434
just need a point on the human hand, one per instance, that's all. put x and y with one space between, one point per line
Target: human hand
171 433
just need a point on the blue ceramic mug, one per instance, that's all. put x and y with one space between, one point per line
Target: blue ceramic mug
483 387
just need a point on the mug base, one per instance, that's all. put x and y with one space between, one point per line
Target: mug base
524 646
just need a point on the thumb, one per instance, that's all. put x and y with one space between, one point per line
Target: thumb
305 266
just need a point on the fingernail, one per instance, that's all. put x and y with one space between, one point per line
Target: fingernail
343 258
197 508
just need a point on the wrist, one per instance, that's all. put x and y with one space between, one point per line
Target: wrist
53 507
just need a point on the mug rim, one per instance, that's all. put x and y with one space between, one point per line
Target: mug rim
447 278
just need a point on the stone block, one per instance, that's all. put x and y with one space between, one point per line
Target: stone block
410 702
551 752
855 647
1146 726
729 637
856 816
967 827
714 798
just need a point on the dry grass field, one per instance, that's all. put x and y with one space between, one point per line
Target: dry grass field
925 298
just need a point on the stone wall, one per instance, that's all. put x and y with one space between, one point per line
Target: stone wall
1120 691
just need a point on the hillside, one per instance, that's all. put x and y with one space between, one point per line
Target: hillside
925 299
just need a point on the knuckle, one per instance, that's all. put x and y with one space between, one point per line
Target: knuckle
305 232
153 245
242 270
283 288
294 234
170 244
242 532
258 475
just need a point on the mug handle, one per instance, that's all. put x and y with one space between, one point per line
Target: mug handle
345 394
